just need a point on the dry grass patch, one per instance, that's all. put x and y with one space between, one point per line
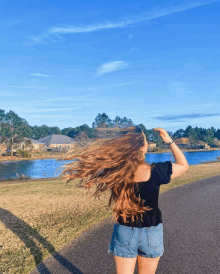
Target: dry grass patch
193 174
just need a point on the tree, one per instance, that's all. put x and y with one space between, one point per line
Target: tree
82 137
190 134
103 121
68 131
54 130
179 133
3 138
209 137
28 144
216 142
15 129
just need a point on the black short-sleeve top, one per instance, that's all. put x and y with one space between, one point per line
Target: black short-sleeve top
149 192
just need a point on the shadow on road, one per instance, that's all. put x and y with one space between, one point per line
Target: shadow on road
26 234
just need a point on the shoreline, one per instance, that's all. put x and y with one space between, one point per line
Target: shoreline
43 157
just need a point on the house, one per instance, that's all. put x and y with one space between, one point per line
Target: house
36 144
151 145
183 143
201 143
57 142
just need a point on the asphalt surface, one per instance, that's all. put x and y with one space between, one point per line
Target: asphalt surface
190 215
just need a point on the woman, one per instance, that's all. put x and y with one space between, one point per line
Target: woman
118 164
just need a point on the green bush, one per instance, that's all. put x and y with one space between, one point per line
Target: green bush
157 149
23 153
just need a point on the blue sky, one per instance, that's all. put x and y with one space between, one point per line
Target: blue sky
154 62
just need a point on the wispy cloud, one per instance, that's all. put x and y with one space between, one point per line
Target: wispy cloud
111 66
126 22
186 116
39 39
39 74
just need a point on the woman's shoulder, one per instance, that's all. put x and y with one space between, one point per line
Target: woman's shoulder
163 171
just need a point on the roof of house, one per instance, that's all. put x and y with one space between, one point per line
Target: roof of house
56 139
185 140
62 139
178 141
182 140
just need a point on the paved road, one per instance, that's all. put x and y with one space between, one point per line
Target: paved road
190 215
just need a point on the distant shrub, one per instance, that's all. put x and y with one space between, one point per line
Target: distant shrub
23 153
157 149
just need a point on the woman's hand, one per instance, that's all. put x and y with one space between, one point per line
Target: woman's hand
163 134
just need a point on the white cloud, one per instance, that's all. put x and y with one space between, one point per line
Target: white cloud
39 74
38 39
121 24
126 22
111 66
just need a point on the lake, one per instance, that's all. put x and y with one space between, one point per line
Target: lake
46 168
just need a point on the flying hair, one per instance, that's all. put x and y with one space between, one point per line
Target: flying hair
111 164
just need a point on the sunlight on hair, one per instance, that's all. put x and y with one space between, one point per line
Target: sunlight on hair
110 164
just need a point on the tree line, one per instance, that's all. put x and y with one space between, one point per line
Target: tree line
14 129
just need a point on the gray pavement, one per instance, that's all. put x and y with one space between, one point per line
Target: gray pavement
190 215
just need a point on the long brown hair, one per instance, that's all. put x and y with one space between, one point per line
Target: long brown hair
110 164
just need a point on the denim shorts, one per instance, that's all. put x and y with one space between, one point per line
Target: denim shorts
128 242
